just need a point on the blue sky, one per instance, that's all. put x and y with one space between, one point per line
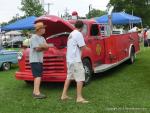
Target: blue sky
10 8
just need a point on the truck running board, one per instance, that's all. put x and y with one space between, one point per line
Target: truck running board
105 67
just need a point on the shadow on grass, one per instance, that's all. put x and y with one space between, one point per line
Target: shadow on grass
50 85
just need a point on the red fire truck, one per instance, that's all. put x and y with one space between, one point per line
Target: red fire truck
106 51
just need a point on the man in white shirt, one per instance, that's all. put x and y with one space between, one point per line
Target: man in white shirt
75 68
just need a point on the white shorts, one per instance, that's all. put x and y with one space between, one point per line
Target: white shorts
75 71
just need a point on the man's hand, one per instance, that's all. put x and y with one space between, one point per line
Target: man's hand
42 47
85 47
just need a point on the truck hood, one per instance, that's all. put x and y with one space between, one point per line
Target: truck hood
54 25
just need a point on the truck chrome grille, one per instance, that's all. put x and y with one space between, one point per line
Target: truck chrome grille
51 64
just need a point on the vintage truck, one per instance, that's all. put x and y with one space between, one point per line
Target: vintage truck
106 51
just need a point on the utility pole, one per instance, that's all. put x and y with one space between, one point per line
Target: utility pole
42 3
132 11
90 7
66 13
17 16
132 6
58 14
48 7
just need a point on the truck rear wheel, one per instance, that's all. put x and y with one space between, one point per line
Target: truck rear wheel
88 70
6 66
132 56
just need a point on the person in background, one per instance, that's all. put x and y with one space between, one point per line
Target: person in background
26 42
134 29
37 46
75 69
145 38
148 35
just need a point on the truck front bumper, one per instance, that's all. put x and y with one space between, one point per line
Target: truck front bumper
49 77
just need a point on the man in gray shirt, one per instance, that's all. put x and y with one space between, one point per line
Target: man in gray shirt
37 46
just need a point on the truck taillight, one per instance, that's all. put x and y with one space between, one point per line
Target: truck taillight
20 54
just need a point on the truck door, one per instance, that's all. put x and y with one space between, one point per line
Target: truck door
96 43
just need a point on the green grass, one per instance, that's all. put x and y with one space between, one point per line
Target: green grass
124 89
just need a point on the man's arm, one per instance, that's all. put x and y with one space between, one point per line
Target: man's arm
42 47
45 46
85 48
39 49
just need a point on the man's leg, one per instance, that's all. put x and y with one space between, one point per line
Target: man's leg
79 90
37 82
36 91
66 86
80 98
67 81
79 74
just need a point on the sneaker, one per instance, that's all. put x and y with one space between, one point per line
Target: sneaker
40 96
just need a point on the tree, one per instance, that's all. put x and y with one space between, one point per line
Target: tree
32 7
95 13
66 15
134 7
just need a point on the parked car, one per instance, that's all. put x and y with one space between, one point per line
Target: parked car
15 42
7 57
12 39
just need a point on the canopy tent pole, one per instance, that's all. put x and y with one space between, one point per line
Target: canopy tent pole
109 11
141 24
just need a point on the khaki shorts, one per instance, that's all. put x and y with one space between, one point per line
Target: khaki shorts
75 71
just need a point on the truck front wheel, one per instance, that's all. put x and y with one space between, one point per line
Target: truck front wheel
88 70
6 66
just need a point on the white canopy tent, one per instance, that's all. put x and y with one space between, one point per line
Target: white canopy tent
13 33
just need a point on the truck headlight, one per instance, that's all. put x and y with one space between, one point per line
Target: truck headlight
19 55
